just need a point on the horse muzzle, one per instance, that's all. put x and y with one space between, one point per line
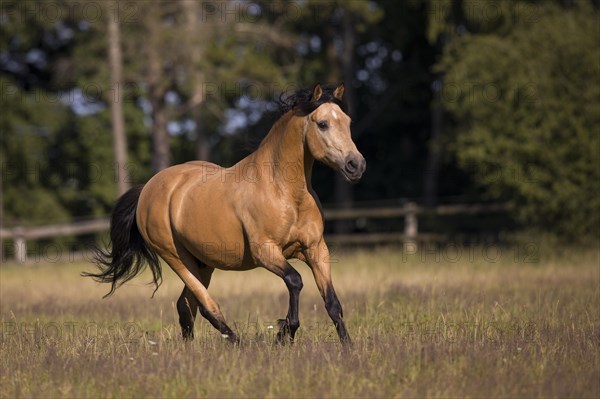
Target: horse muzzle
353 168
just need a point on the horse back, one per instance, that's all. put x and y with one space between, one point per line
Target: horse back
190 206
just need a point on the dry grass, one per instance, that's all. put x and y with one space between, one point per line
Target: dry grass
422 327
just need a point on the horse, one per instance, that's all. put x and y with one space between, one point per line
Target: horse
262 211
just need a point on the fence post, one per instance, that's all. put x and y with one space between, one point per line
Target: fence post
411 224
20 245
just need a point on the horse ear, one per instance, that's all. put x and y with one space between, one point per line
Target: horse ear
339 92
317 92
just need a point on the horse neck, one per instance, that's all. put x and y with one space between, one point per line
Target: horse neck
284 150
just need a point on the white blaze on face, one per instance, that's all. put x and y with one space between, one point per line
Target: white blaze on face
335 116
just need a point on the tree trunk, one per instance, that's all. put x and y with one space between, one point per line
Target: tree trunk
434 156
196 34
432 168
202 144
348 61
344 193
161 151
116 105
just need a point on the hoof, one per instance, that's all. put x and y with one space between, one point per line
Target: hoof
284 335
231 338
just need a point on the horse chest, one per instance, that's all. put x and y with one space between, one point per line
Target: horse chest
306 230
289 227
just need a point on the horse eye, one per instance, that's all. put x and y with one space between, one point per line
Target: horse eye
323 125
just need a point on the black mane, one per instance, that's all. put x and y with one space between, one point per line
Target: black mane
300 102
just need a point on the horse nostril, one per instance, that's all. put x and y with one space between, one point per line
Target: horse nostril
351 166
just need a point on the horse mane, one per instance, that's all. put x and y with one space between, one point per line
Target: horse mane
300 102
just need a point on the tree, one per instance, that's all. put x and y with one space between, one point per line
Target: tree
32 115
116 105
197 35
155 41
526 110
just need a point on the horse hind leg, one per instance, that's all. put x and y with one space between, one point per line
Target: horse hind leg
187 305
196 279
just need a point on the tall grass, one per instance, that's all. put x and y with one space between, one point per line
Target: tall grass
428 324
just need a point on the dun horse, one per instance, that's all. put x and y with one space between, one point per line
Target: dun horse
261 212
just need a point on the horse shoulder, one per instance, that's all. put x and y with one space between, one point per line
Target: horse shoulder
308 228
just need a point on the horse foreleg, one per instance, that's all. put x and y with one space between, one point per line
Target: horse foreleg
277 264
318 259
290 325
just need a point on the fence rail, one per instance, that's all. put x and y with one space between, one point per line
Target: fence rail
408 211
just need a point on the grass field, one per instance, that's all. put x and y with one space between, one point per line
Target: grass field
468 324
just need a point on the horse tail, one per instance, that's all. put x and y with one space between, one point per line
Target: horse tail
128 254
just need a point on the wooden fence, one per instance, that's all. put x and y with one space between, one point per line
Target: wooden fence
409 211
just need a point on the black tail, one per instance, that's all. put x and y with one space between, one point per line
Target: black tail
129 253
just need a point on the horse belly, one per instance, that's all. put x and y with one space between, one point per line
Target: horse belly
217 251
209 229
